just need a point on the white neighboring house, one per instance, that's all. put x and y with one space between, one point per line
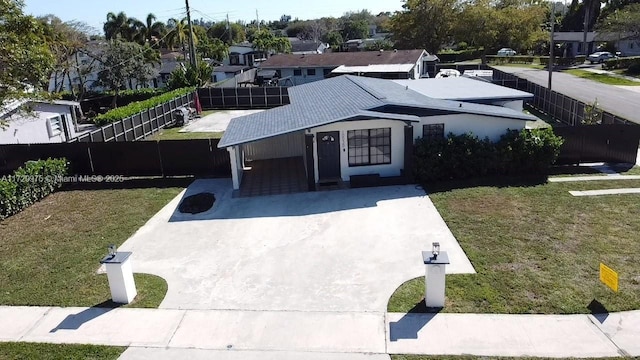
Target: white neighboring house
243 54
350 126
43 122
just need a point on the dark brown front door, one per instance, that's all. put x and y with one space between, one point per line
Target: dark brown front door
329 156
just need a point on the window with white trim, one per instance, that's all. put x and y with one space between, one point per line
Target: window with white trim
54 126
369 147
433 131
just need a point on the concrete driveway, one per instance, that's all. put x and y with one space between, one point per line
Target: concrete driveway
344 250
216 122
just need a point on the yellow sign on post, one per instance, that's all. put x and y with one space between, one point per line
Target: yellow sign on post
609 277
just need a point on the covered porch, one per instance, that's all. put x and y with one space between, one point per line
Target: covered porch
274 177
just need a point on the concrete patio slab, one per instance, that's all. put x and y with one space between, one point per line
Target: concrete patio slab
282 330
497 335
605 192
343 250
105 326
135 353
216 122
17 320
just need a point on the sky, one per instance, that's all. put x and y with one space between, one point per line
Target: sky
94 12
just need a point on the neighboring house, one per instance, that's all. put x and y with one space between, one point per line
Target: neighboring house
626 44
397 64
224 72
244 54
349 126
572 42
471 90
43 122
300 47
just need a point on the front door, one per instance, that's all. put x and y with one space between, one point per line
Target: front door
329 156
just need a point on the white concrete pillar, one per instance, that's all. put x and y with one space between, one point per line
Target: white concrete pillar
233 157
120 275
434 278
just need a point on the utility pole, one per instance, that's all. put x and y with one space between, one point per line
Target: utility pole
192 46
229 30
551 41
257 20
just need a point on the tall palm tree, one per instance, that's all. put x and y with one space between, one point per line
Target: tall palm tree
179 35
135 31
116 25
153 28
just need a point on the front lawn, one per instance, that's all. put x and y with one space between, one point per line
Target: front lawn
37 351
537 249
49 253
602 78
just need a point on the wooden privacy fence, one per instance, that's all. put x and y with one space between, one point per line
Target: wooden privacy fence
559 106
140 125
614 143
143 158
243 97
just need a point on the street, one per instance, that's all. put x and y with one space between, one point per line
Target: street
614 99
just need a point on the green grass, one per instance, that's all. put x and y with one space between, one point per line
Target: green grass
528 66
50 252
37 351
175 134
537 249
625 73
602 78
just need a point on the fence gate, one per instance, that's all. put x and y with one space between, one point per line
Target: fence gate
613 143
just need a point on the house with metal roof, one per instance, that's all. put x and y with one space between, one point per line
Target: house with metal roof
469 89
343 129
306 68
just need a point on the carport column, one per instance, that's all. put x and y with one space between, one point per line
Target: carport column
434 278
236 166
311 169
120 275
408 154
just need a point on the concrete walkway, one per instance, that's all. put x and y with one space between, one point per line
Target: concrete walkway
605 192
594 178
221 334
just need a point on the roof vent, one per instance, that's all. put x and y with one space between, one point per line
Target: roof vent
406 87
395 50
460 105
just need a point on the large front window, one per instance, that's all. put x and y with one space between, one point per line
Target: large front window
369 147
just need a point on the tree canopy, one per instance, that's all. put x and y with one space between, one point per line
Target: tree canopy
424 24
26 59
624 22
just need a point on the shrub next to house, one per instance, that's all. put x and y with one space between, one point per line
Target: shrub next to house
30 183
525 152
138 107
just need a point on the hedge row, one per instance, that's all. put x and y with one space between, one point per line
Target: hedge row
124 97
621 63
457 56
525 152
30 183
560 61
139 106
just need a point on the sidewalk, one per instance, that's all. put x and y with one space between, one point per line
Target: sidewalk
173 334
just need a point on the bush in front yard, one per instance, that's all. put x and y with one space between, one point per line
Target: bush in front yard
30 183
525 152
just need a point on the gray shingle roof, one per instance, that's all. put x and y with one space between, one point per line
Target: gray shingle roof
342 98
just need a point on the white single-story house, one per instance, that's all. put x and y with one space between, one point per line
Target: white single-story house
347 127
467 89
244 54
43 122
306 68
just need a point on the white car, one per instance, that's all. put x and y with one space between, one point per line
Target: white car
600 57
506 52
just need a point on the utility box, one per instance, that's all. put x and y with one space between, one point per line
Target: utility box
120 274
434 278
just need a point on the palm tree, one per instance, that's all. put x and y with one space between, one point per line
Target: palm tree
135 31
116 25
179 35
154 28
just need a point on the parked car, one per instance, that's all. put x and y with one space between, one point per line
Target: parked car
506 52
600 57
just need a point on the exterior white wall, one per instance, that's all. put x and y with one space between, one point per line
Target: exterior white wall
397 147
480 125
32 128
629 47
304 78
